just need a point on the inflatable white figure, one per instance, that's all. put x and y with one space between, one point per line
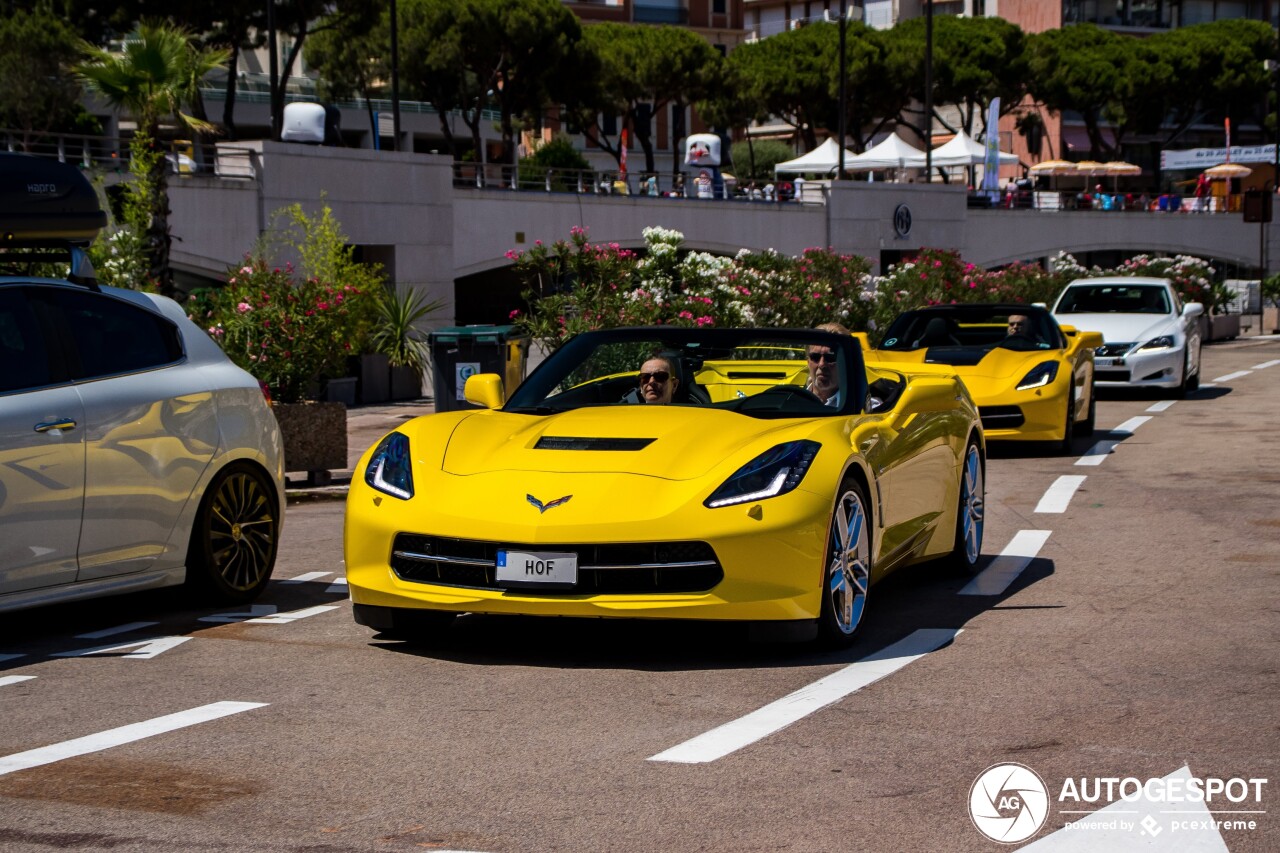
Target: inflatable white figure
702 155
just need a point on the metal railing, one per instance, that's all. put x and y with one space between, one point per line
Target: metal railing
505 176
111 154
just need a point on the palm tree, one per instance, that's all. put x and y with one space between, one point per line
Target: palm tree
157 74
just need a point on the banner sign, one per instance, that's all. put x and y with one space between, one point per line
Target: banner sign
991 160
1203 158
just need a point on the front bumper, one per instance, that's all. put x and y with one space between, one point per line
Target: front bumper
771 553
1035 415
1141 369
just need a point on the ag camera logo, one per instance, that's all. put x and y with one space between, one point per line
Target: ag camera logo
1008 803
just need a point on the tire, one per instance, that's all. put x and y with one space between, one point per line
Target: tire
234 536
966 551
1193 381
1085 429
846 576
1069 427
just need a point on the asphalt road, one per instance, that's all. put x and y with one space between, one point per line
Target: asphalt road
1137 639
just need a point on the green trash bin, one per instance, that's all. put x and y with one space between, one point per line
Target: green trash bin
461 351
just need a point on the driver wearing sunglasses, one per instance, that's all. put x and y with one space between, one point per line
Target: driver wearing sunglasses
824 375
658 381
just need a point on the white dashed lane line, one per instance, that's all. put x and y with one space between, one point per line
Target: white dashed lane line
1272 363
309 576
776 716
143 649
1058 496
14 679
1230 376
1102 449
1163 405
265 614
1005 568
124 734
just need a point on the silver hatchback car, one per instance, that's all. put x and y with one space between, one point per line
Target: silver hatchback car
133 453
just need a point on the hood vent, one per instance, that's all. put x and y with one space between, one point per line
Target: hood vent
566 442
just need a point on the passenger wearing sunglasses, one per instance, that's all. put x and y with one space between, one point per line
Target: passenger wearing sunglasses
658 381
824 376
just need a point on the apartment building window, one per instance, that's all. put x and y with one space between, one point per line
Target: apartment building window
660 12
719 7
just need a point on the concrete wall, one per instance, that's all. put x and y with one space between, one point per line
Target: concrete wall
441 232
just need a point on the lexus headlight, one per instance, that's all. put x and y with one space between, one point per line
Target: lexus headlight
772 473
1162 342
389 468
1041 375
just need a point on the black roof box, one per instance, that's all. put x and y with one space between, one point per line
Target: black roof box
46 202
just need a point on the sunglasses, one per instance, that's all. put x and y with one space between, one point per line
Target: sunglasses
659 376
828 357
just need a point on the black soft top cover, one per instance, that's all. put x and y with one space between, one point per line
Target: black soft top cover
44 201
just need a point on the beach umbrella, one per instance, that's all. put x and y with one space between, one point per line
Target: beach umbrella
1224 171
1116 168
1053 167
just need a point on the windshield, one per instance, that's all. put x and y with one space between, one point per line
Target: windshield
1114 299
963 334
764 373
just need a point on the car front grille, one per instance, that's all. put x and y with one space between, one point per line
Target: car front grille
1107 375
1001 417
614 568
1112 350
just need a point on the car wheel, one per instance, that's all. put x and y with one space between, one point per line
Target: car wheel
234 537
1069 427
846 577
967 549
1193 381
1086 427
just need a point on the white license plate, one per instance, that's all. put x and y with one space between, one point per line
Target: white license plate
537 569
1108 362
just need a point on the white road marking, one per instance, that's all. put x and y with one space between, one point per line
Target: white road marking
292 615
119 629
338 586
1103 448
1133 423
254 611
776 716
124 734
1230 376
1163 405
1005 568
309 576
1272 363
14 679
4 658
1111 828
1058 496
147 648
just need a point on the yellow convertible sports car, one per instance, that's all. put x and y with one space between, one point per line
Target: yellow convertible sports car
759 475
1031 378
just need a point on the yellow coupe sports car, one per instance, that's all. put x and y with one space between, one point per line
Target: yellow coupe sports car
759 475
1031 378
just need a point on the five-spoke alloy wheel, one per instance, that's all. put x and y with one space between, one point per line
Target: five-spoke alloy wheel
847 575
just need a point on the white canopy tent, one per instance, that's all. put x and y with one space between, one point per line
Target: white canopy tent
963 150
824 159
893 153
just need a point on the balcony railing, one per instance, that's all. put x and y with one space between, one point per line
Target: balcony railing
111 155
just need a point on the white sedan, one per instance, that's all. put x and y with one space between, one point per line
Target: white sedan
1150 338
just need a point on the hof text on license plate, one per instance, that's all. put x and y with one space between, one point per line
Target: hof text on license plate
537 569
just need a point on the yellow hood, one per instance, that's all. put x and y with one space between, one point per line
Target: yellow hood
671 442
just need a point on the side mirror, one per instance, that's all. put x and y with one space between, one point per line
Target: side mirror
1192 309
1069 331
485 390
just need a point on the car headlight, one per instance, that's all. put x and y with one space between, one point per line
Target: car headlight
389 468
1162 342
774 472
1039 376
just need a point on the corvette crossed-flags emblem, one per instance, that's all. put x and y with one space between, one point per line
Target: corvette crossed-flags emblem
543 507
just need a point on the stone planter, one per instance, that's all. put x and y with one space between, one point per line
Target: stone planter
406 384
315 437
1224 327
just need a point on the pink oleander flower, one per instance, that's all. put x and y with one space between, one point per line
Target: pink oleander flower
244 307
